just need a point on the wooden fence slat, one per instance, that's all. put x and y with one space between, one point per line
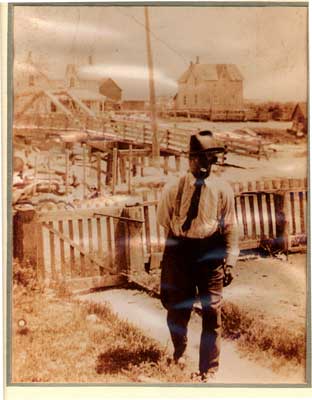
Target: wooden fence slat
109 241
81 243
269 215
298 216
252 214
99 236
292 212
62 250
243 208
259 198
157 225
147 225
302 212
273 214
40 252
256 216
240 218
52 252
72 250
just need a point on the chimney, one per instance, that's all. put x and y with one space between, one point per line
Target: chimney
197 59
90 59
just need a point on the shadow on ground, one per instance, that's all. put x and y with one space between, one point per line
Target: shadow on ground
118 359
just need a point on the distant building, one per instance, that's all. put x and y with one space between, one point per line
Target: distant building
109 88
30 76
133 105
214 87
299 119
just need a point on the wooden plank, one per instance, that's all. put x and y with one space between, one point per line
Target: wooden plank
99 236
269 215
292 213
40 252
71 249
81 244
62 249
94 282
109 241
251 200
147 225
157 225
136 252
52 251
94 268
257 217
130 170
239 217
76 214
248 215
115 160
244 219
303 211
259 199
98 173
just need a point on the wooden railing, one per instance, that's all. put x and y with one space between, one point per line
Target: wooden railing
172 140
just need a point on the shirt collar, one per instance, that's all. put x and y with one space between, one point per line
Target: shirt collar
192 179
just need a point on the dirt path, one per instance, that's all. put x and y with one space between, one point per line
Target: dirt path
147 314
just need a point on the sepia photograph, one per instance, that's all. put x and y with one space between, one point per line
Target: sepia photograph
158 195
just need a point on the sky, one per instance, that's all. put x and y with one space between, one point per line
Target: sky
268 45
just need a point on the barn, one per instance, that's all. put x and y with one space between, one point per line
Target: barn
216 88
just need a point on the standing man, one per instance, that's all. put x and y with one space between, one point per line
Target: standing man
201 250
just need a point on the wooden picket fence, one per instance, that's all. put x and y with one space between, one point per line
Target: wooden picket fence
104 246
84 248
270 213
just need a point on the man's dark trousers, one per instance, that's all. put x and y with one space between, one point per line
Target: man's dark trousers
192 267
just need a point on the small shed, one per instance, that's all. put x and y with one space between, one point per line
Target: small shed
299 119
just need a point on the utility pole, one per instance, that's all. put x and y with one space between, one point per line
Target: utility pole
155 143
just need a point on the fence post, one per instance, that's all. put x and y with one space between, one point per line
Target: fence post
115 160
130 170
98 169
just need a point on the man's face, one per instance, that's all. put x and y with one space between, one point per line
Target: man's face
200 165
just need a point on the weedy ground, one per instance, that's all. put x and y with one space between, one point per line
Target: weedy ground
57 340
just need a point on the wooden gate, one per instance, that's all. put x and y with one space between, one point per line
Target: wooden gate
83 248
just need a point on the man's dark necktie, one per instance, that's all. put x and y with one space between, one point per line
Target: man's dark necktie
193 210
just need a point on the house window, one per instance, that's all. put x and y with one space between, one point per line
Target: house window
196 99
184 100
72 82
53 107
31 80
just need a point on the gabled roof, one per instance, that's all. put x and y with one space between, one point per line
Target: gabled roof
303 108
211 72
104 80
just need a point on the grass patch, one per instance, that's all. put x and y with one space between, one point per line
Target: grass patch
253 332
57 340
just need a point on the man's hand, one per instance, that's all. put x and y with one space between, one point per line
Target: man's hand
228 275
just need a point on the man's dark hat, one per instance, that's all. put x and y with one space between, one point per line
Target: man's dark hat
204 142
